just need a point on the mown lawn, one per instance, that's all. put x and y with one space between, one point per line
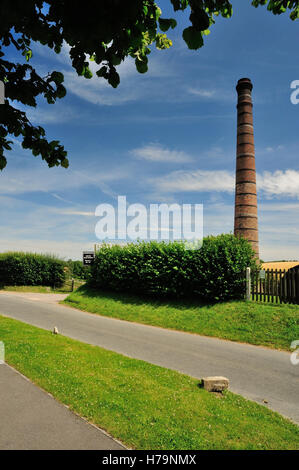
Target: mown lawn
271 325
143 405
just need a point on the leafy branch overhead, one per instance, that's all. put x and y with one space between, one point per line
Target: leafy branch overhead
105 32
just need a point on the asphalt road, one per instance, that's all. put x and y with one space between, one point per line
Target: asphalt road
254 372
32 420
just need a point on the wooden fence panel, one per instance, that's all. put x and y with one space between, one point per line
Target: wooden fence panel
278 286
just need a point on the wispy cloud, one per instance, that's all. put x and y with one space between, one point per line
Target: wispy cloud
157 153
97 91
24 180
216 94
52 114
202 93
133 86
279 207
278 183
196 180
75 212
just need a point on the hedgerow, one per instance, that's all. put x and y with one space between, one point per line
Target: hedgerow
30 269
78 270
213 272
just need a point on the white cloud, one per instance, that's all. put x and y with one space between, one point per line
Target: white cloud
158 153
97 90
279 207
279 183
52 114
202 93
216 94
196 180
154 85
74 212
23 180
133 86
270 149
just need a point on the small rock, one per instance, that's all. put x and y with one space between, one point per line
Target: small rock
55 331
215 384
265 401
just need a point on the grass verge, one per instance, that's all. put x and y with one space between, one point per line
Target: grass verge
44 289
270 325
143 405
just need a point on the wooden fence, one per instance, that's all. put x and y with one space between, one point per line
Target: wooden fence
275 285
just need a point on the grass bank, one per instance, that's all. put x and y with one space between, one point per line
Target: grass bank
274 326
143 405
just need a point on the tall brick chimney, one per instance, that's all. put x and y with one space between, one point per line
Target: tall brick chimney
246 222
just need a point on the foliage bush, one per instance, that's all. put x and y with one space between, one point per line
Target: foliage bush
78 270
30 269
211 273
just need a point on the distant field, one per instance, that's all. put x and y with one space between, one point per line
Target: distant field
66 288
280 264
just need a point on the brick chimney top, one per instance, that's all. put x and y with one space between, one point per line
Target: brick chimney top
244 84
246 222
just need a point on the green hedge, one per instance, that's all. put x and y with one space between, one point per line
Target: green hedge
78 270
29 269
211 273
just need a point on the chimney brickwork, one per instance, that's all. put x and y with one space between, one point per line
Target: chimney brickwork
246 221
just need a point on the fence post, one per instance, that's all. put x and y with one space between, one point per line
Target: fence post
248 284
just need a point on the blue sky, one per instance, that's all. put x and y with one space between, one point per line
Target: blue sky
166 136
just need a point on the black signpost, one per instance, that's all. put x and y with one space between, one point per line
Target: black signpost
88 258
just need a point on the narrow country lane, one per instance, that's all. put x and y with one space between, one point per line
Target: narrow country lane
254 372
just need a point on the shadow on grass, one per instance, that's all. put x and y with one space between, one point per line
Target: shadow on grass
140 299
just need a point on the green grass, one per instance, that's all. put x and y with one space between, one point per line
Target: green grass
44 289
274 326
143 405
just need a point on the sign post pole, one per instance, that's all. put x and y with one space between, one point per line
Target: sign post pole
248 284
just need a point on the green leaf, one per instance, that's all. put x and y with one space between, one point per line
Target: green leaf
61 91
65 163
163 42
54 143
165 24
87 73
158 13
115 60
102 72
193 38
28 54
3 162
113 78
57 77
227 12
141 65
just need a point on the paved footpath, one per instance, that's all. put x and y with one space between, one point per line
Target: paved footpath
30 419
254 372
